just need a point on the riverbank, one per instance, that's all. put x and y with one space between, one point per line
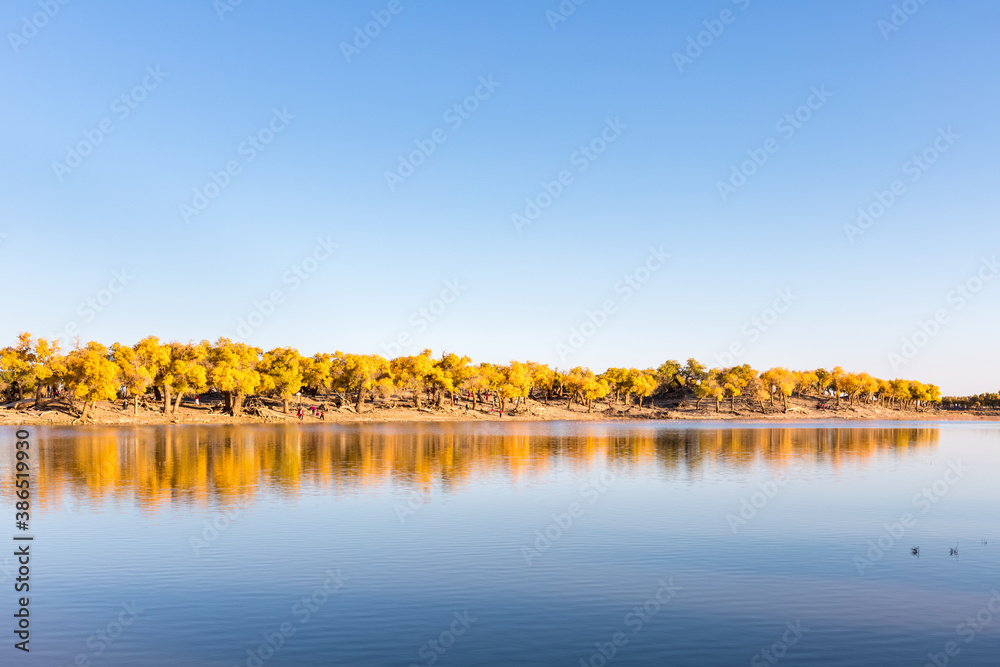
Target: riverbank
59 412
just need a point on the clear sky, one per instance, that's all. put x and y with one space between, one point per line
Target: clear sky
739 138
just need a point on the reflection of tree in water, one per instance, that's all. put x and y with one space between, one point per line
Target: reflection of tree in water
737 448
154 466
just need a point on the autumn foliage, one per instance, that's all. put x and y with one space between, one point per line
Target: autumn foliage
165 373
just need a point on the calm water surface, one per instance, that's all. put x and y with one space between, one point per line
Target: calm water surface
511 544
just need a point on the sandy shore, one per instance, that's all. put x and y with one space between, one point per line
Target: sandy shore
58 413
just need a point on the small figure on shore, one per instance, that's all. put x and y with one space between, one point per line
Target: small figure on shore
197 400
322 415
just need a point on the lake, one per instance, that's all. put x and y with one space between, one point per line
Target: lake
652 543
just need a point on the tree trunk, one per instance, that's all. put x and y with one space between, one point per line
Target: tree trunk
177 401
166 398
717 402
236 404
732 403
416 398
784 401
361 399
284 405
569 402
156 393
135 404
86 410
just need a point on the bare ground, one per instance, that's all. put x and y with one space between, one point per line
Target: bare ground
59 412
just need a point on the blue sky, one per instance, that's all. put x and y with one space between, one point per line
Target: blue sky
202 85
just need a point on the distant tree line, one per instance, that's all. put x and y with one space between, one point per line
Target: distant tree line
169 372
976 402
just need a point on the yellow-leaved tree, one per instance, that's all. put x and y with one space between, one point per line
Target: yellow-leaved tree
779 382
234 372
316 373
188 373
479 381
594 388
714 385
645 383
155 357
50 366
543 378
367 374
17 366
134 374
515 384
281 373
91 376
455 372
414 373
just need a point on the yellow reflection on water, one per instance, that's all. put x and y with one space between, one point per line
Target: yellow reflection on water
158 466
